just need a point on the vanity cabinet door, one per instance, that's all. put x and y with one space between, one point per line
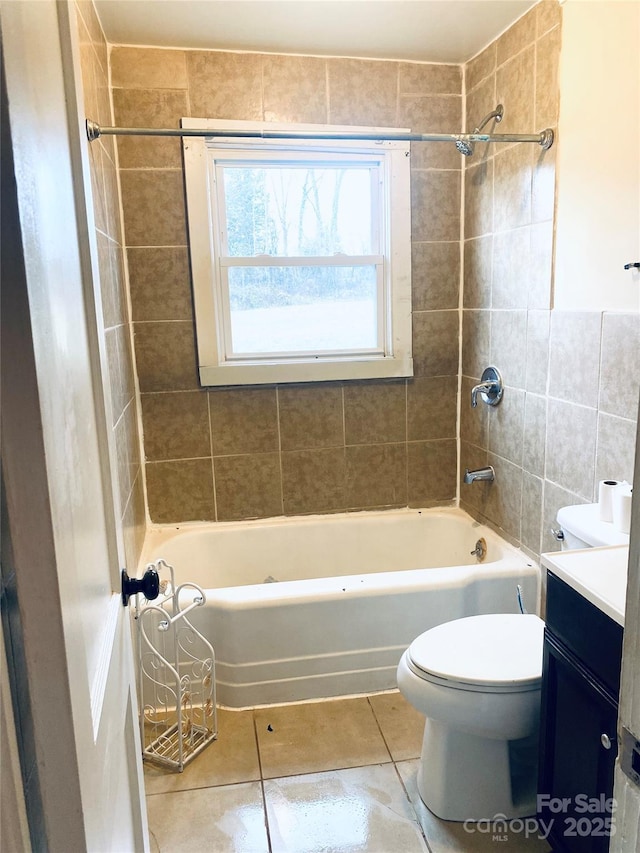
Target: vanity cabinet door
578 752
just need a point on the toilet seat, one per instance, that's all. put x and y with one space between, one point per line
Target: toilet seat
496 653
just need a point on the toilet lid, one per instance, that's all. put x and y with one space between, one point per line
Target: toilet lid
499 649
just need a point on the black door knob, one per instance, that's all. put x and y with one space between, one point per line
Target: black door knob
148 585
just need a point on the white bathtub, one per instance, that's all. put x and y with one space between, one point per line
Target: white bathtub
351 592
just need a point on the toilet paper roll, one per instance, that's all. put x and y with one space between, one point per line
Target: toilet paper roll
622 508
606 490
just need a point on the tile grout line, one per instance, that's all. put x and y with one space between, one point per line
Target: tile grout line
264 798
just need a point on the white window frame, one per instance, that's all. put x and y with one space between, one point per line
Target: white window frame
392 355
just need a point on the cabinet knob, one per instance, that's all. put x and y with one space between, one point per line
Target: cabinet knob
606 741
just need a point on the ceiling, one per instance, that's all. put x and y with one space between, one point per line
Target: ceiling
427 30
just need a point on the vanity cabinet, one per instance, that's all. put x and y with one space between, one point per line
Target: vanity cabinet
578 747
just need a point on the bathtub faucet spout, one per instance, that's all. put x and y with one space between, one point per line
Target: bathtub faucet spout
479 474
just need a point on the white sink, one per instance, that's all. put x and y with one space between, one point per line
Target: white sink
598 574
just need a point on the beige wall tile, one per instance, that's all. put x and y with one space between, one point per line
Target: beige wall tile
295 89
537 351
517 37
435 206
124 481
134 525
476 342
225 85
509 345
512 188
112 200
531 520
515 88
554 498
314 480
153 207
478 199
180 491
504 496
615 448
376 475
149 108
431 471
506 424
112 287
473 496
165 356
310 416
512 269
375 412
432 114
619 379
96 155
479 103
148 68
541 270
549 14
435 276
435 343
420 78
176 425
160 283
571 446
362 92
574 359
474 423
478 270
535 431
243 420
480 67
543 183
432 408
248 486
547 95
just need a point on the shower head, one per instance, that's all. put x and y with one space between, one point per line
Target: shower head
465 146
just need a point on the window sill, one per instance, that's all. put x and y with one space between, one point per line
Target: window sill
305 371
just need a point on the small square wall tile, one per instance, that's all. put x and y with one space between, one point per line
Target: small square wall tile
474 422
509 345
160 283
165 356
571 447
375 412
543 183
435 343
547 89
480 67
478 199
345 734
435 206
314 480
153 207
432 405
517 37
549 16
574 356
248 486
432 114
537 351
504 500
615 450
535 427
401 725
512 188
506 423
147 68
515 86
620 365
243 420
376 475
176 425
228 817
435 276
180 491
431 471
531 521
225 85
362 92
149 108
476 342
295 89
511 269
420 78
540 277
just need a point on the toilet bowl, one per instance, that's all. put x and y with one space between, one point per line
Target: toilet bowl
477 681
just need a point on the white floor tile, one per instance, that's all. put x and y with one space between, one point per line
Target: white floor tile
226 819
342 811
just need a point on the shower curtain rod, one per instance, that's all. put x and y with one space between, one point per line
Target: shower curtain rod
544 138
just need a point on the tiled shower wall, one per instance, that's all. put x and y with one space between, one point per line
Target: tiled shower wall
115 313
223 454
568 415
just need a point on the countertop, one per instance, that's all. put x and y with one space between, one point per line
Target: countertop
598 574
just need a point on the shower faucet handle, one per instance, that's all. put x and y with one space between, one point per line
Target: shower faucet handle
490 388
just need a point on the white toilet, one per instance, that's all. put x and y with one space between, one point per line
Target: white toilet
477 681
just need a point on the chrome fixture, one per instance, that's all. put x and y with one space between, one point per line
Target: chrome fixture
557 533
480 551
480 474
466 146
490 388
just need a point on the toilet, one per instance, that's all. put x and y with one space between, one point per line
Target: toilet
477 681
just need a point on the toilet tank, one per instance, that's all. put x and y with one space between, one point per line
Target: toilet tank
583 528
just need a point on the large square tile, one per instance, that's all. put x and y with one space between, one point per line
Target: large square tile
360 809
229 819
447 836
316 736
401 725
232 758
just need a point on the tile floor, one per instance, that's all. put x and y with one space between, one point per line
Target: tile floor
337 776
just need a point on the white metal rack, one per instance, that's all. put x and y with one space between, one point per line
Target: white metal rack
176 675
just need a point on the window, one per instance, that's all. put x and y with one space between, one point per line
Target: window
300 255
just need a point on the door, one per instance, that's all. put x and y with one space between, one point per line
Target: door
78 658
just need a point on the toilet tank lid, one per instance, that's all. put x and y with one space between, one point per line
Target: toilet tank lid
583 521
495 649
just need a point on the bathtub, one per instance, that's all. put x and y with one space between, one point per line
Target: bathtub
320 606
